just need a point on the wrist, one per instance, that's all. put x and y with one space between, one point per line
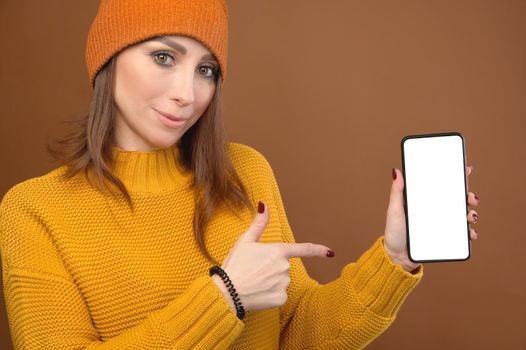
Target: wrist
409 266
221 285
406 264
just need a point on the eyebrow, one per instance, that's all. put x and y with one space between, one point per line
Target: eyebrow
180 47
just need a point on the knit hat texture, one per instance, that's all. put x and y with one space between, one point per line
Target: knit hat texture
120 23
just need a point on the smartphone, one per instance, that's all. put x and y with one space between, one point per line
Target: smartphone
436 197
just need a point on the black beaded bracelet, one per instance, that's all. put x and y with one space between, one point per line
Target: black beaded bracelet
240 309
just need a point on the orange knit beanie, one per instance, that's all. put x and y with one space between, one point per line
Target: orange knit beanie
120 23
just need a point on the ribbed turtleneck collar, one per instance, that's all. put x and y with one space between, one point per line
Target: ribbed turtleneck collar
152 171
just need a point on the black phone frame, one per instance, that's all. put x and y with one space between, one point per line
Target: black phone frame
451 133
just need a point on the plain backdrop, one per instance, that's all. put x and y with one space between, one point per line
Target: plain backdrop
326 90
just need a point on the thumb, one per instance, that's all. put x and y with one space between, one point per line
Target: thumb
260 222
396 199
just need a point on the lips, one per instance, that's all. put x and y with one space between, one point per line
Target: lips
170 116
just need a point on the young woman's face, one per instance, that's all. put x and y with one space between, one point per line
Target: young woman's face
172 75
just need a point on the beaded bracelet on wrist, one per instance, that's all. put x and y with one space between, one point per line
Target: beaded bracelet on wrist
239 307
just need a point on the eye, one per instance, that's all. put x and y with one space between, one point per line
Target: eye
161 57
208 71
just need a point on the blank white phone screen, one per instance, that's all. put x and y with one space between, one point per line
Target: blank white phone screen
434 169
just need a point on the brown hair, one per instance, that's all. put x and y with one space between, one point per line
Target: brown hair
89 146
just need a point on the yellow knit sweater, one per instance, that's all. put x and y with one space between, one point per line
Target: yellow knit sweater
81 271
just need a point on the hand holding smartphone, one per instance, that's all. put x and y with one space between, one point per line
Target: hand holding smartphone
436 197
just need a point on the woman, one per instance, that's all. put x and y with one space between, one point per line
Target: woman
109 250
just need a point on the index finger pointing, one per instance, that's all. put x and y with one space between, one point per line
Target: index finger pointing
305 250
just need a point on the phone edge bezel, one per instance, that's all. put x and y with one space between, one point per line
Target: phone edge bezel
451 133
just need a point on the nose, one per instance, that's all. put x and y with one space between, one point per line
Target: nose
182 89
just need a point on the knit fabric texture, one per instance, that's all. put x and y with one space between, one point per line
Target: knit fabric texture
80 270
120 23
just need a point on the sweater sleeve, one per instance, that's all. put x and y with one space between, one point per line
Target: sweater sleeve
46 309
349 312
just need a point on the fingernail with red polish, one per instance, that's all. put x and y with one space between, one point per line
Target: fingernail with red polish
394 174
477 198
261 207
330 253
476 217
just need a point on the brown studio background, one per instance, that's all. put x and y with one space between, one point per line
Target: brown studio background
326 90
